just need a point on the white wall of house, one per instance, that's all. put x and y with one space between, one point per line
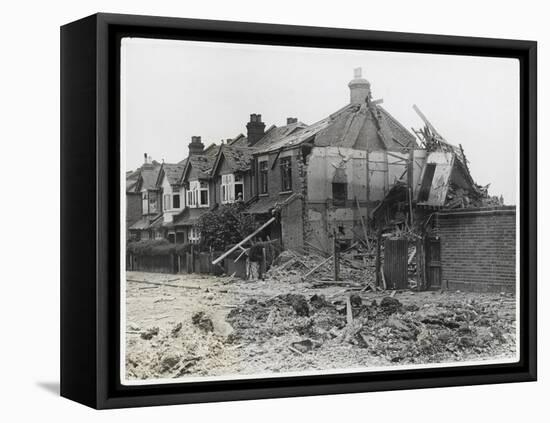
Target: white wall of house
322 165
384 170
169 203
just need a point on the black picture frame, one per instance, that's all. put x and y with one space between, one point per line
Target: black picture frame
90 65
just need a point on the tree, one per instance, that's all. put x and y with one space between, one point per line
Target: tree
225 226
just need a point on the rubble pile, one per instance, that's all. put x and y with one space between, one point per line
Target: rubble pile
180 349
461 198
389 329
356 266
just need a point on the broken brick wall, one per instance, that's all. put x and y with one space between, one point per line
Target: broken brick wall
292 225
478 249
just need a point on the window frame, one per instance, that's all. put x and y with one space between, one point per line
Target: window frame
264 187
285 165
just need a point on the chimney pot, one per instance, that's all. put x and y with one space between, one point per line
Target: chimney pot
196 146
359 88
255 129
291 120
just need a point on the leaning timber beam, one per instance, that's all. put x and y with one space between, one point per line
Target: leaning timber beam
248 238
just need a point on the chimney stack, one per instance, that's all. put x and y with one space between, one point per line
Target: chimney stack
359 88
290 120
255 128
196 147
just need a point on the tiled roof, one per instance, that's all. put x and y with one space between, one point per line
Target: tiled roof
363 127
399 132
189 216
146 222
275 133
173 171
239 141
265 204
202 162
262 206
149 176
238 159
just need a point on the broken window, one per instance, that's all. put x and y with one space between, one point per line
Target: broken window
286 174
339 193
176 201
263 177
424 193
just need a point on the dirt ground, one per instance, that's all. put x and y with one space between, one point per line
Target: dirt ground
200 325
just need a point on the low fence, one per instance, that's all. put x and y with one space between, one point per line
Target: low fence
192 262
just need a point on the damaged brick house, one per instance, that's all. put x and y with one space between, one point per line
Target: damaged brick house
327 177
356 171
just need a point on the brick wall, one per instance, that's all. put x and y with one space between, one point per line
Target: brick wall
133 208
478 249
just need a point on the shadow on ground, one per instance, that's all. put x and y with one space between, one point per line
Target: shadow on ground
51 387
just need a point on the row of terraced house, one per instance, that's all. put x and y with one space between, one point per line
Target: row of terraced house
355 168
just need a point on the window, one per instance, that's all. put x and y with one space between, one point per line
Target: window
176 201
144 203
231 186
339 193
166 202
228 193
194 235
263 177
238 187
286 174
197 196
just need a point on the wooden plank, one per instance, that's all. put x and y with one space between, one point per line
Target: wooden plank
362 224
248 238
164 284
318 266
349 311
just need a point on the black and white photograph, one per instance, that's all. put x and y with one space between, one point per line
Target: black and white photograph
299 211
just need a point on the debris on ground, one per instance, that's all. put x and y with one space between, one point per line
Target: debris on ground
202 321
252 327
149 333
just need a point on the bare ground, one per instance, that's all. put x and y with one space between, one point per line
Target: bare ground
200 325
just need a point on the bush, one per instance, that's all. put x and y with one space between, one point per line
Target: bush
224 226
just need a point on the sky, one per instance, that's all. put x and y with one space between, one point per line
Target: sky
172 90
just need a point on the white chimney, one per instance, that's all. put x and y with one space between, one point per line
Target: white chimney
359 88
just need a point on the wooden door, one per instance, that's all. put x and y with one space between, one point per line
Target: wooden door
433 263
